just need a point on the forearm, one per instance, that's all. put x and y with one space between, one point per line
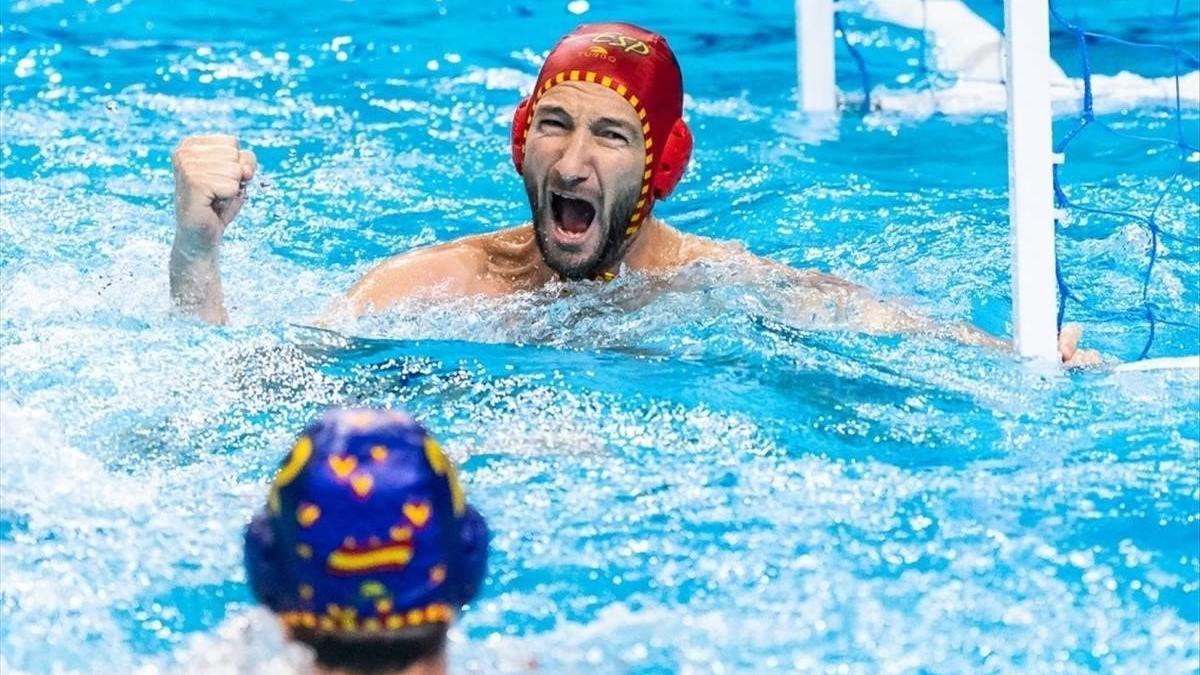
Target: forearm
843 302
196 280
971 335
210 176
882 316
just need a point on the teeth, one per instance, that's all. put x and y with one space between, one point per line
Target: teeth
576 198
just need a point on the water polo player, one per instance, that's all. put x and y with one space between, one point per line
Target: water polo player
367 548
597 143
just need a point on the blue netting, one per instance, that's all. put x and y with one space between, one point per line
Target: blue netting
1083 51
855 32
1088 121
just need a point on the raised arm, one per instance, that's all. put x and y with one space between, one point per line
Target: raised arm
210 172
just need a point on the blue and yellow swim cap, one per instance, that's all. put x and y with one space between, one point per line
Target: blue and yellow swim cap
366 529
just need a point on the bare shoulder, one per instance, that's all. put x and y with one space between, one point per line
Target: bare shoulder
694 248
450 269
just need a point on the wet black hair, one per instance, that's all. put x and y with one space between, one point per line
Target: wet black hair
368 654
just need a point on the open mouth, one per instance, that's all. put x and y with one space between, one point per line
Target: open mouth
573 217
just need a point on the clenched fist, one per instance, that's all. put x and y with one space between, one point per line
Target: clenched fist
209 174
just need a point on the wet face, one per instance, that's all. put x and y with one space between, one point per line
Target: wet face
584 158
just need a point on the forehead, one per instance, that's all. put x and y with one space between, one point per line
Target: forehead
588 100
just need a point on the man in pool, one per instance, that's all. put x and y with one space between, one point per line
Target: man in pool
598 142
367 548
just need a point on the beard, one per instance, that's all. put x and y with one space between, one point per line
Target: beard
612 226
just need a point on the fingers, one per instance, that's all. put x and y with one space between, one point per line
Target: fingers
225 188
248 163
216 169
1068 341
1068 348
186 155
216 147
217 140
212 165
1084 358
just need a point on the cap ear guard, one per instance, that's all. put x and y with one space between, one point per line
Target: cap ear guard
520 125
673 161
474 542
262 563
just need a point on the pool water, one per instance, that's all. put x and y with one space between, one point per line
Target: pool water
681 476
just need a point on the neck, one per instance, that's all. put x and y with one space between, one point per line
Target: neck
651 249
431 666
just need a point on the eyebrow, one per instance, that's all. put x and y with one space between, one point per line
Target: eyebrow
558 111
614 122
552 110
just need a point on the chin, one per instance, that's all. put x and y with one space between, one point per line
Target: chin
574 229
570 264
574 255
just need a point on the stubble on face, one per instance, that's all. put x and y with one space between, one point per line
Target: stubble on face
613 221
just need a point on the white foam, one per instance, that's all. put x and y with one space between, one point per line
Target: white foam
969 49
1179 363
53 484
963 42
248 643
1111 93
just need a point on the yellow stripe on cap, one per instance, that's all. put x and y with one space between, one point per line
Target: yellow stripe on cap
369 560
301 453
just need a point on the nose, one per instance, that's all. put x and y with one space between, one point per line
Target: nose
574 167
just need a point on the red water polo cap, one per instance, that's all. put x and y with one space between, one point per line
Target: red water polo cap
640 67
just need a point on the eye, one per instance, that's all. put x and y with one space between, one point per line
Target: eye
550 123
611 135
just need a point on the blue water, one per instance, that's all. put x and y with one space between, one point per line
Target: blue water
680 476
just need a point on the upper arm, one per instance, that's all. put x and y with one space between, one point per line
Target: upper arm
826 298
